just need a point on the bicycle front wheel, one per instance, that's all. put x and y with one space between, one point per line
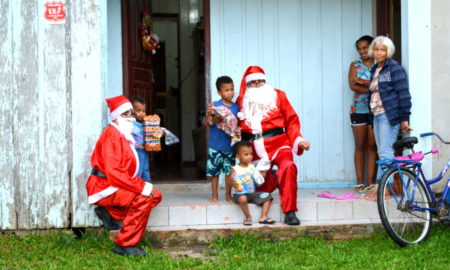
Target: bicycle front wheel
404 207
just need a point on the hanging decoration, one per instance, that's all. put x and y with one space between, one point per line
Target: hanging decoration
150 40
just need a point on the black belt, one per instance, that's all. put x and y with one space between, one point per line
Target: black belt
98 173
266 134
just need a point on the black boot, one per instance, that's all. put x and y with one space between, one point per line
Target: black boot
109 223
129 251
291 219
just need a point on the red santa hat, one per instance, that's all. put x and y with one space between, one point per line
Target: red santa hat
118 105
252 73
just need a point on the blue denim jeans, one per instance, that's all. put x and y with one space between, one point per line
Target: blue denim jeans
144 167
385 136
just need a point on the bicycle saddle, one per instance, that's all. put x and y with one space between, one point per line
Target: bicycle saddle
408 142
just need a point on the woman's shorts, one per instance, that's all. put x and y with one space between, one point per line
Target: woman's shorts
359 119
257 198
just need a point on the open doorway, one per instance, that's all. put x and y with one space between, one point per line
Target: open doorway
171 81
389 23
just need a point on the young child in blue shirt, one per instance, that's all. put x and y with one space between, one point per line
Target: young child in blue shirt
138 135
244 175
220 152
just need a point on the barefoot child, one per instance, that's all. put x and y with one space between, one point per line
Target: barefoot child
243 175
220 152
138 135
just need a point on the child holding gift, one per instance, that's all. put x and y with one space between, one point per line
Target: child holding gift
245 179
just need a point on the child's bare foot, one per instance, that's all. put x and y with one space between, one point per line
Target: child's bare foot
229 199
214 200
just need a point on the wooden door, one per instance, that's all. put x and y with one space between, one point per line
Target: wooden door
137 63
388 21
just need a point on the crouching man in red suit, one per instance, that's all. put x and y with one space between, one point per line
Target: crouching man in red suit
113 185
272 125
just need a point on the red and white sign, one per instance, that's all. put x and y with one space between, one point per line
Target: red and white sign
55 11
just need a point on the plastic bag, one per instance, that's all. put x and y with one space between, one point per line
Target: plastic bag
259 179
170 138
263 166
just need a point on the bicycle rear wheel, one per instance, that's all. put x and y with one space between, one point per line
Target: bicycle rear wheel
401 206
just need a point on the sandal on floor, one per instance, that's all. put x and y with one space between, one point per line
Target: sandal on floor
326 194
359 188
248 222
369 188
347 196
267 221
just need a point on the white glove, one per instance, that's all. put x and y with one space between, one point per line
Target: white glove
263 165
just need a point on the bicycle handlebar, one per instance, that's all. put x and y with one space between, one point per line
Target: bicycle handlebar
435 134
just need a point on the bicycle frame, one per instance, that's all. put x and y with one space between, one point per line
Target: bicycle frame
417 168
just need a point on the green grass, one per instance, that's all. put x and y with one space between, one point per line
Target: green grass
64 251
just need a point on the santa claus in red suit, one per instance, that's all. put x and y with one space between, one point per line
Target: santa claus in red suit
268 120
113 185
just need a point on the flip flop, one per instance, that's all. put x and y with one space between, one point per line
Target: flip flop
267 221
359 188
368 188
347 196
326 194
248 222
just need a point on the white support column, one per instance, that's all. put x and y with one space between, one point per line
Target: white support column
416 59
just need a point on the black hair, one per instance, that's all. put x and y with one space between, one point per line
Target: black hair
221 80
240 145
364 38
138 99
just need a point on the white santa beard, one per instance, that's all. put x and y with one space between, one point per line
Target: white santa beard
257 104
125 126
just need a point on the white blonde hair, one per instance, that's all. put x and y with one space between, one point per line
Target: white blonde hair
385 41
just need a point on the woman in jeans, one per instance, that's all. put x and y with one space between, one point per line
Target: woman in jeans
390 101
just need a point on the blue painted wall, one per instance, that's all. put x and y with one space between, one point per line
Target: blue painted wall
305 48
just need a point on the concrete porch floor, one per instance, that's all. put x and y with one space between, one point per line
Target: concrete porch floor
185 207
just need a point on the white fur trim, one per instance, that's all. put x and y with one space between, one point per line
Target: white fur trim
296 142
278 150
260 148
121 109
147 189
136 157
255 76
101 195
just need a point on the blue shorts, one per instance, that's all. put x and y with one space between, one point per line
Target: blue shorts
219 162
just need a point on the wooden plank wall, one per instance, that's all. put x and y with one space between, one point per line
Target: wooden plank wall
52 85
7 108
89 66
34 156
305 47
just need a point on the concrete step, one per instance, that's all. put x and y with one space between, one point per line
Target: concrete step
186 207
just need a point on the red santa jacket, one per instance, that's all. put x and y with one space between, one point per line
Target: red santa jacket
116 158
282 117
